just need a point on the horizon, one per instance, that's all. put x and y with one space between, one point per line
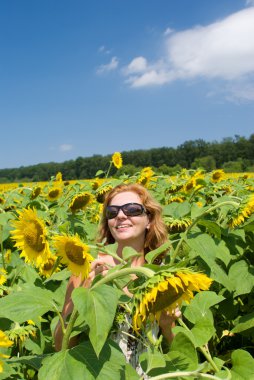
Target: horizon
81 79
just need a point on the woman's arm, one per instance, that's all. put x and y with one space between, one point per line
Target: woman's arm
97 267
167 322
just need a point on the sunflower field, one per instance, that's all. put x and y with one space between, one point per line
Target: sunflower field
48 232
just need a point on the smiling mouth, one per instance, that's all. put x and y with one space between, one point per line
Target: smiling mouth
122 226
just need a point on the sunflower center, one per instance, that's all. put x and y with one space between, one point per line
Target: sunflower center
166 298
33 236
48 265
74 253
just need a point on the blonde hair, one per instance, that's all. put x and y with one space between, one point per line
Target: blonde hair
156 235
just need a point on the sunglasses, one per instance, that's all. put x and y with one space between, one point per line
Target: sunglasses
129 209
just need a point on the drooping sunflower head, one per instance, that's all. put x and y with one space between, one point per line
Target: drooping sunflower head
30 237
102 191
177 225
117 160
54 193
244 212
80 201
175 198
165 292
74 253
36 191
217 175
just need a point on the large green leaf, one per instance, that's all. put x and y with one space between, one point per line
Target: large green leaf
243 366
203 331
245 322
151 359
199 306
183 345
242 277
29 303
81 362
98 307
205 247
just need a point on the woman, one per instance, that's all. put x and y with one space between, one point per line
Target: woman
131 218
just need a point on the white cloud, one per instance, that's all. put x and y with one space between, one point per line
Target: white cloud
65 147
137 65
112 65
222 50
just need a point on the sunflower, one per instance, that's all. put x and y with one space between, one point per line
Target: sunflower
36 191
45 269
245 211
102 191
1 200
80 201
74 253
3 277
165 292
175 199
145 175
59 177
30 236
217 175
177 225
117 160
54 193
4 343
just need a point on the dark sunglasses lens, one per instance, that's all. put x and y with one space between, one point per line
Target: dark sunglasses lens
111 212
133 209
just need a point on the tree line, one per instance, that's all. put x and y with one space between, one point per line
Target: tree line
231 154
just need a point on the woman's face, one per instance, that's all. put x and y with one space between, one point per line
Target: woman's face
128 230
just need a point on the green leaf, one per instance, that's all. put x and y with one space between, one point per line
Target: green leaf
199 306
98 307
151 359
206 248
29 303
99 172
183 345
245 322
242 277
211 226
81 362
32 361
129 252
177 210
151 256
203 331
243 365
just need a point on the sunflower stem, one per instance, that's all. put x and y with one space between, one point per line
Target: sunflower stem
2 247
110 166
178 374
184 235
114 255
202 349
68 330
123 272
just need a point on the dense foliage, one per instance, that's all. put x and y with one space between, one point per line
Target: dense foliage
210 220
231 154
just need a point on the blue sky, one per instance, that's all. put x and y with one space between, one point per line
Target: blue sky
83 77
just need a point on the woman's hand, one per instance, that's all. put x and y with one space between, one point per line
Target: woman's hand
98 266
167 322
